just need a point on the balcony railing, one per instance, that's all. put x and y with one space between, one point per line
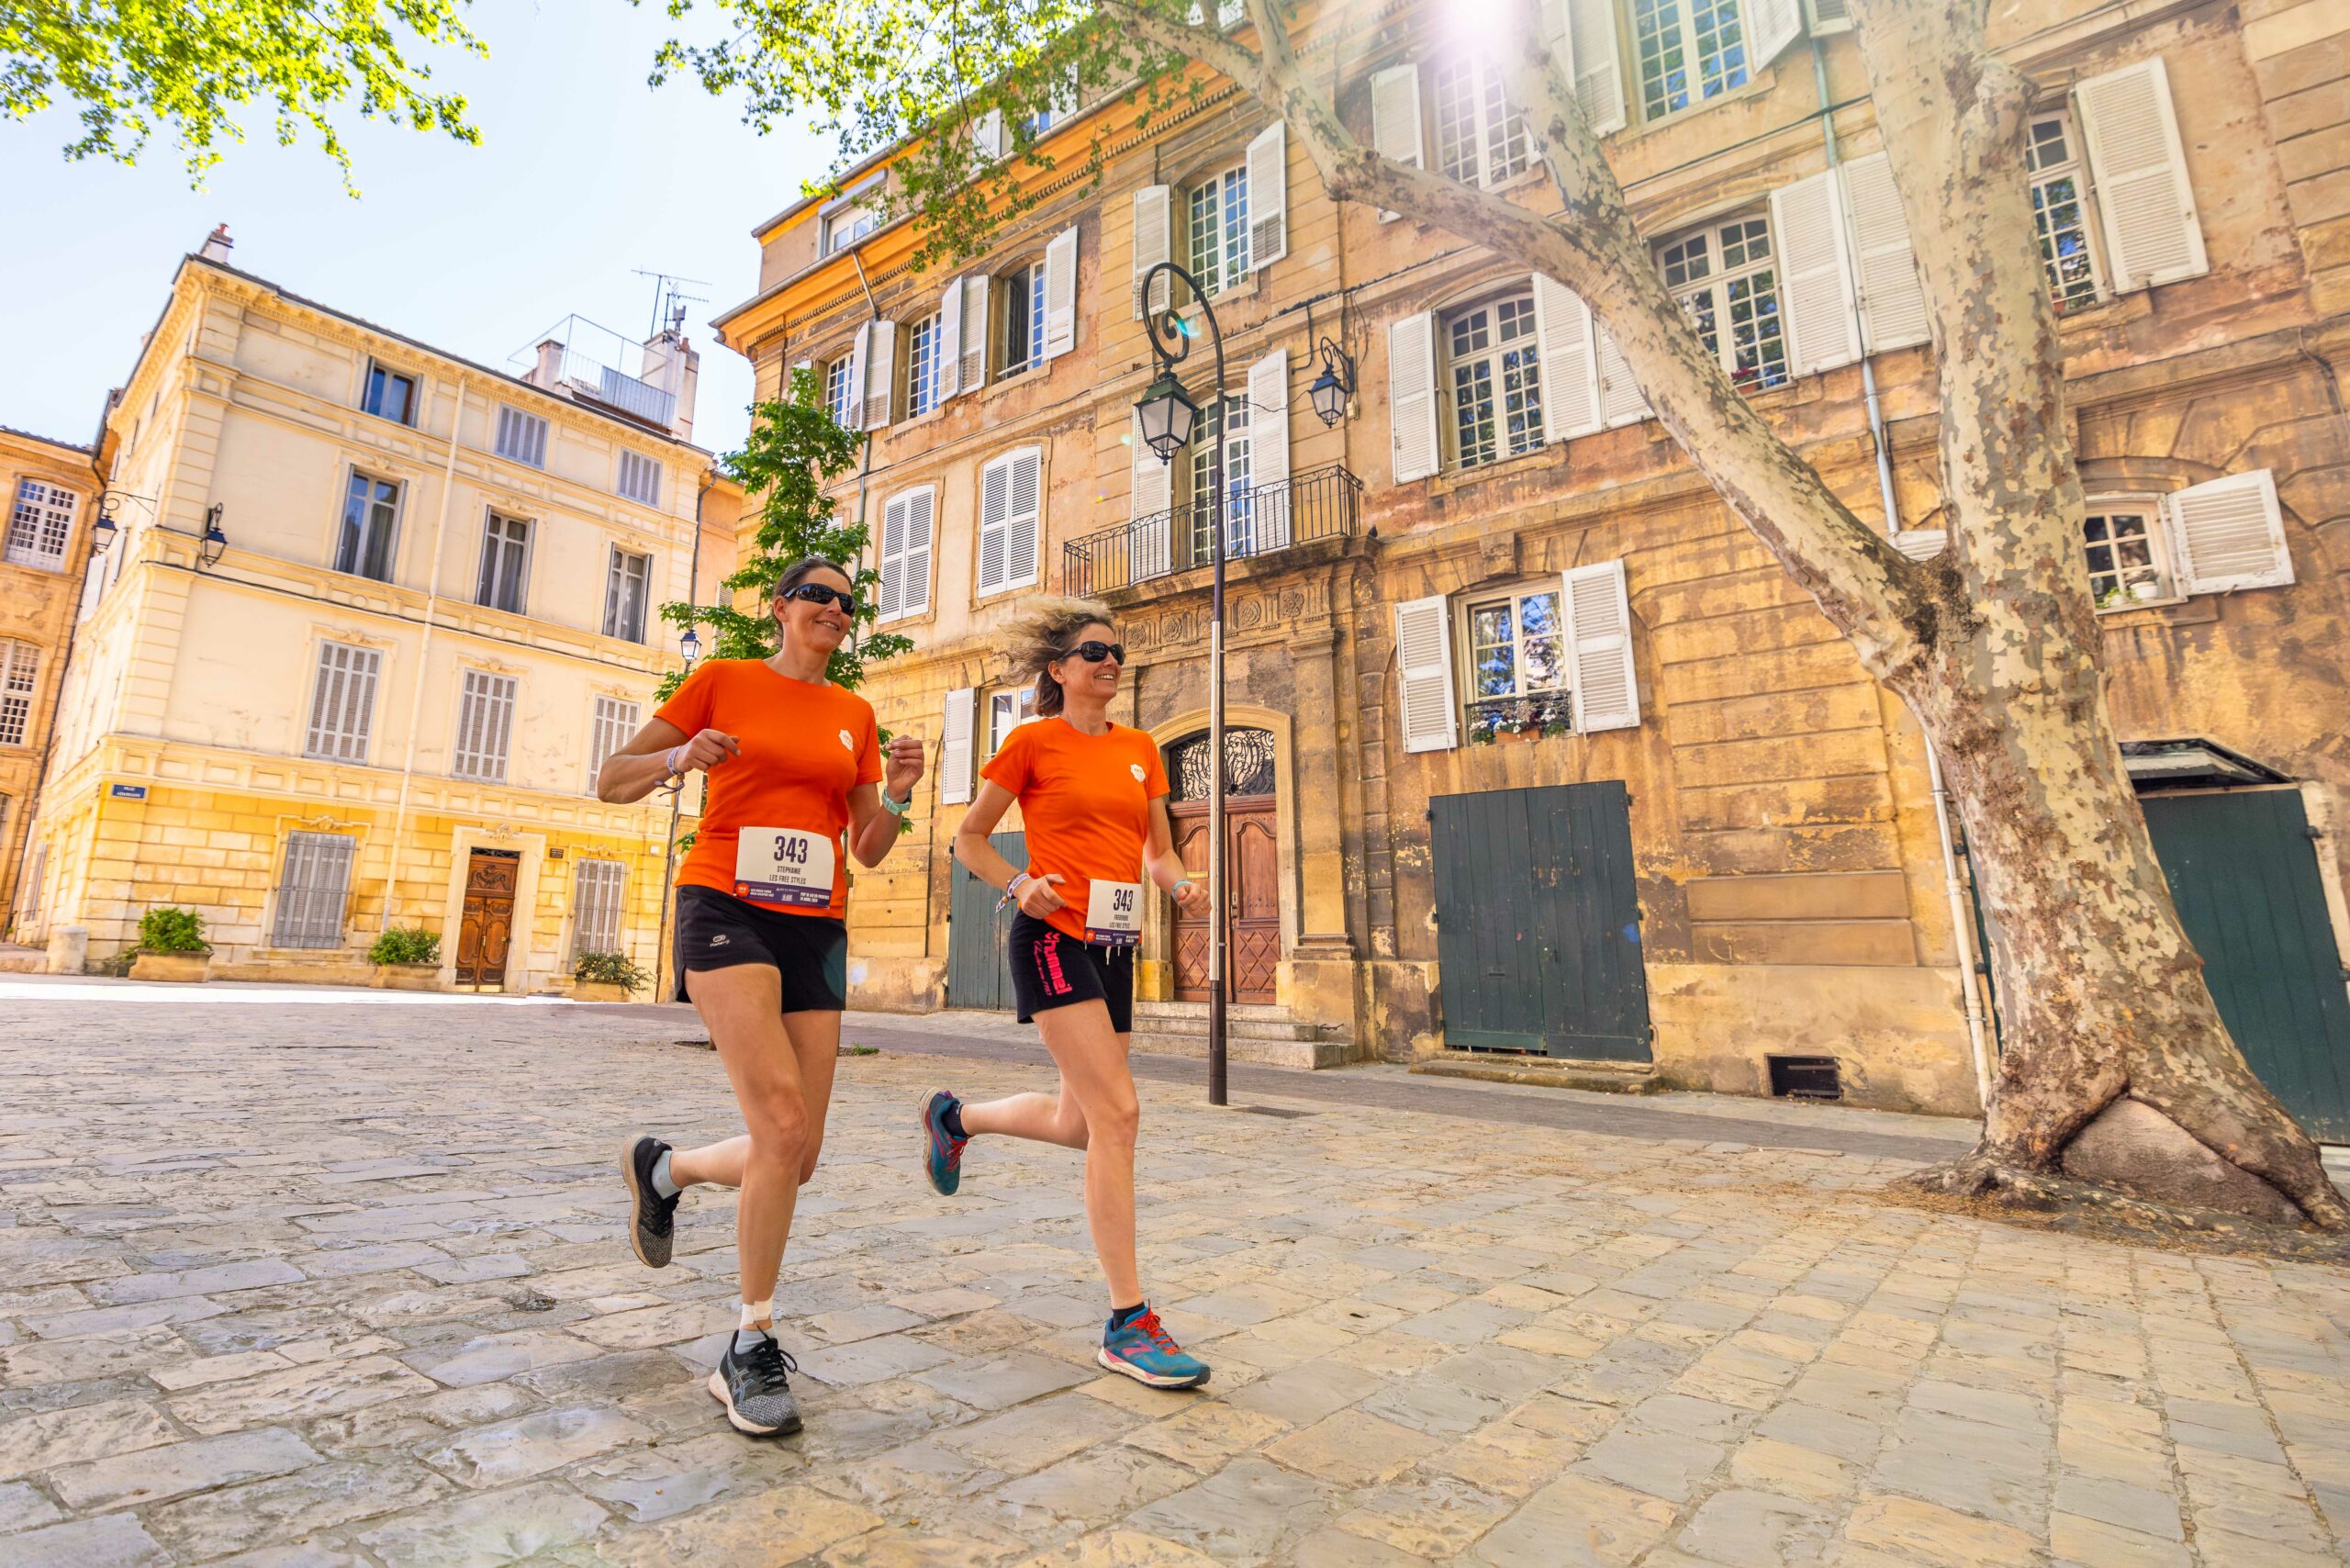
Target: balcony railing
1321 503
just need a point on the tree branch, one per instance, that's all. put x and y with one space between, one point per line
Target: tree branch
1207 45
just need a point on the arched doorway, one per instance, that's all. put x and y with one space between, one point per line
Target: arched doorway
1252 862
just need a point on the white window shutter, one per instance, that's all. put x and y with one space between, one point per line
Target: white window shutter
1268 449
987 134
955 747
1411 397
1269 196
1025 520
995 512
1423 675
2138 175
1815 274
1599 78
1395 117
1599 648
950 340
1776 24
893 551
975 332
913 583
1829 17
1060 294
1893 298
2228 533
1154 240
857 360
881 373
1559 28
1562 330
1620 400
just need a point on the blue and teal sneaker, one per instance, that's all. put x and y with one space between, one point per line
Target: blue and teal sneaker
1145 1352
942 1151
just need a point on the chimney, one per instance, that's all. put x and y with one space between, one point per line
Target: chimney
217 245
671 365
548 371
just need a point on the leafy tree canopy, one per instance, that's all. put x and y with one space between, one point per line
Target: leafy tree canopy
187 68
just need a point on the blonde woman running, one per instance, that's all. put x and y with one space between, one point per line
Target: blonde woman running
796 770
1094 798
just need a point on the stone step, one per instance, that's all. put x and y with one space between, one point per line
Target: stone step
1307 1053
1257 1022
1555 1072
15 961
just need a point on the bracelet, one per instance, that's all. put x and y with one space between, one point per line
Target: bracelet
897 808
1177 890
1011 891
669 761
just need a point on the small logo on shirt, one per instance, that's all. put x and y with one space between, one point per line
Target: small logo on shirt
1136 768
721 940
848 741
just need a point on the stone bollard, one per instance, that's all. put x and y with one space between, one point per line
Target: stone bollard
69 948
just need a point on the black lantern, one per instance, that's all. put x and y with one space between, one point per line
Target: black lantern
1335 386
102 535
1169 416
216 542
690 646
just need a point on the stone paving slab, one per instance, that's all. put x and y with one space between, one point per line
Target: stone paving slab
290 1280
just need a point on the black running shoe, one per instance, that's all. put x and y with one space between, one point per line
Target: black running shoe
652 1219
753 1387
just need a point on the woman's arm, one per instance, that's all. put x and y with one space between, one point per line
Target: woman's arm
873 827
1038 897
1164 866
637 768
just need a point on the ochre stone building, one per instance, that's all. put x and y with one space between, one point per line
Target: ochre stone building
375 615
1540 753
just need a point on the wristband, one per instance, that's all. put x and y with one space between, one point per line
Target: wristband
669 761
897 808
1177 890
1011 891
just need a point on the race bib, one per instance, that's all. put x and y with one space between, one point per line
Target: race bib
1113 914
783 864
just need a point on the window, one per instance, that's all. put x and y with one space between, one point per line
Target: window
595 889
1496 381
371 511
1517 662
42 524
19 668
849 225
311 891
504 563
1218 229
2060 212
922 346
640 479
1011 494
485 721
840 390
1197 538
522 437
1006 712
1023 319
616 723
1479 140
390 394
627 586
1689 50
2123 538
1723 276
343 708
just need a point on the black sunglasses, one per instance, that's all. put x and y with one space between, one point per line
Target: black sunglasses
1093 651
817 593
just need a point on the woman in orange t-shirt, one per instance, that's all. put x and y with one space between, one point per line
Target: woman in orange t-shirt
796 771
1093 800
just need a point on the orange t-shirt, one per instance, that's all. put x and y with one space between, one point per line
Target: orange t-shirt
804 748
1085 801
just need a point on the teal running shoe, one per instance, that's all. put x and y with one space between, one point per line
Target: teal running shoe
1144 1351
942 1151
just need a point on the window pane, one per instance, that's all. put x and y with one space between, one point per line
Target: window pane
1456 121
1505 148
1472 403
1664 73
1207 246
1721 44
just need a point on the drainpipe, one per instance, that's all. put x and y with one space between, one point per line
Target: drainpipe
1969 992
424 651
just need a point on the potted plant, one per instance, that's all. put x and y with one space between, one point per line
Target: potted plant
171 946
606 976
406 959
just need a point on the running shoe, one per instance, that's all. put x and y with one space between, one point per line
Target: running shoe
652 1219
942 1151
1144 1351
752 1386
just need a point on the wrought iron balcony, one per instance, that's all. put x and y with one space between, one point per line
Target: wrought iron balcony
1321 503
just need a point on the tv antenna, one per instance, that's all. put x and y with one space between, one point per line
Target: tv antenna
670 299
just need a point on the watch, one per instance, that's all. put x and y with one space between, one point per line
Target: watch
896 808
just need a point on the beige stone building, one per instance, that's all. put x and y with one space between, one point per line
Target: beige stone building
1540 755
375 613
52 498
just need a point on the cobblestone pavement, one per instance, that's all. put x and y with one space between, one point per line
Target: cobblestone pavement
288 1281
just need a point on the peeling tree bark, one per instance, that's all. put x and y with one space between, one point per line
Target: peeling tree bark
1994 643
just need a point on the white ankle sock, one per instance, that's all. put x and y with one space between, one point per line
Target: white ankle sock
755 1313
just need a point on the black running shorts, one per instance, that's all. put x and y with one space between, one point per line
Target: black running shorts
1051 969
718 931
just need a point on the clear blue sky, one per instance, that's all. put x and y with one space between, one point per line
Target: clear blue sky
583 174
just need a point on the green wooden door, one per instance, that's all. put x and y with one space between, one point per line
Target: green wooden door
1538 921
2242 870
978 974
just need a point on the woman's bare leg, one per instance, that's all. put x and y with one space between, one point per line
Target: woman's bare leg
1097 1082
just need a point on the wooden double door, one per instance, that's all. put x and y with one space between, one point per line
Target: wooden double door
486 929
1252 872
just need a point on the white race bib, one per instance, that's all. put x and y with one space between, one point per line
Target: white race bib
783 864
1113 914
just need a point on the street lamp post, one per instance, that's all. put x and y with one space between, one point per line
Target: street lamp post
1168 415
